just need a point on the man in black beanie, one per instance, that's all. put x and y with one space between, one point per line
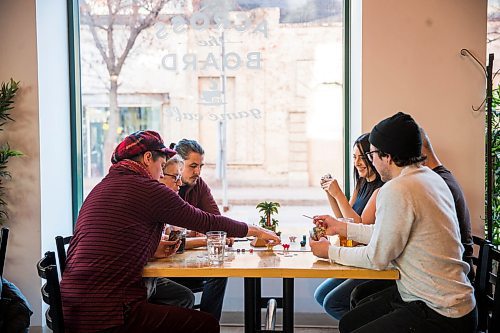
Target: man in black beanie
416 231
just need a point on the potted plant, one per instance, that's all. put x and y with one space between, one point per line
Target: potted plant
266 221
8 91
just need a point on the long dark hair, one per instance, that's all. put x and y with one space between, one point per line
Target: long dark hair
364 146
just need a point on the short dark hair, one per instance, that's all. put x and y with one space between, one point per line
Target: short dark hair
402 162
185 147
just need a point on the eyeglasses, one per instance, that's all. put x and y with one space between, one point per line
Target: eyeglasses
369 154
176 178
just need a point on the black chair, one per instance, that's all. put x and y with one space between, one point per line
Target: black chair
51 292
481 265
485 286
489 297
61 242
494 296
3 247
3 250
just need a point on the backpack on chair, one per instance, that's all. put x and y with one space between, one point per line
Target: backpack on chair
15 311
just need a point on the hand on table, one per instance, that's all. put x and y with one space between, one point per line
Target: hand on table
267 235
331 224
320 248
229 241
167 248
192 233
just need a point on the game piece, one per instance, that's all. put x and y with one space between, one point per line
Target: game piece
303 241
238 250
257 242
251 250
243 250
292 239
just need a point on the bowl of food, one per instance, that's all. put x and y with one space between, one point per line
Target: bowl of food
317 232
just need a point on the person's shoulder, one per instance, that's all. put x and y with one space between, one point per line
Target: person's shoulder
407 178
144 185
441 170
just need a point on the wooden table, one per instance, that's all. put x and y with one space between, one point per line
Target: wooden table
297 263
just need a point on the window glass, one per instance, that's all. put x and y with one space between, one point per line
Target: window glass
257 82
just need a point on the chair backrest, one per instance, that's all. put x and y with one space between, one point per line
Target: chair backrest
487 287
3 247
493 289
478 243
51 292
61 242
480 285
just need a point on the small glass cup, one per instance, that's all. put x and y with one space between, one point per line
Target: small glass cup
216 244
344 241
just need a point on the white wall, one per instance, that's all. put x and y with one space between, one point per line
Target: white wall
34 51
54 118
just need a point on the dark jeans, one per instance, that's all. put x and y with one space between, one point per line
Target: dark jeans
389 313
334 295
213 293
366 290
154 318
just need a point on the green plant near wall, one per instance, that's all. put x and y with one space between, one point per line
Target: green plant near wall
8 91
496 165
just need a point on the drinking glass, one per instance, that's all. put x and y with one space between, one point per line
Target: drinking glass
216 243
344 241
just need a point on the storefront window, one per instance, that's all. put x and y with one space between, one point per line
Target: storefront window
258 83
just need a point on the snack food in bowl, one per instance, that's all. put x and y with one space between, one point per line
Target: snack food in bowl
317 232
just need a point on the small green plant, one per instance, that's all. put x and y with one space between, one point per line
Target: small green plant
8 91
268 208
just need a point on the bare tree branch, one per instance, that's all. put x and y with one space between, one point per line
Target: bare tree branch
145 23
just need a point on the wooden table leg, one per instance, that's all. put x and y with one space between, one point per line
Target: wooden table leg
288 296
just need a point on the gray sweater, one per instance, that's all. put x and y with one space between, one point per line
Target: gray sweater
417 232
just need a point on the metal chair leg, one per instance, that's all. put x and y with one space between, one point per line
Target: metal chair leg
271 315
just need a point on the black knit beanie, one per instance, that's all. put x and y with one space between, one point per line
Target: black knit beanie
398 136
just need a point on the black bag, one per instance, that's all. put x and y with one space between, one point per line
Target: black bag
15 311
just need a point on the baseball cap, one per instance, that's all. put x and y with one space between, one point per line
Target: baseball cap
138 143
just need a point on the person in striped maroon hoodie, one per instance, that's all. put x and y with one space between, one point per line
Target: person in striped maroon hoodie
118 229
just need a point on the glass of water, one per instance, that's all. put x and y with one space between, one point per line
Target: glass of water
216 243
